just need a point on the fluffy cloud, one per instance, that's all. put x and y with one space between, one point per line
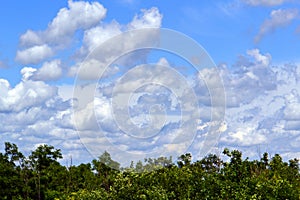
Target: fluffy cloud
78 15
262 109
99 34
148 19
263 104
49 71
34 54
39 45
32 112
259 58
95 36
116 44
278 18
265 2
291 112
246 136
139 115
24 95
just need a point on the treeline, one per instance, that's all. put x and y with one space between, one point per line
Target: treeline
41 176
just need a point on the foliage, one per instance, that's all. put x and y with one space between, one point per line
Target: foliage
41 176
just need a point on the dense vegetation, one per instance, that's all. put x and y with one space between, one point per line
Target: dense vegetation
41 176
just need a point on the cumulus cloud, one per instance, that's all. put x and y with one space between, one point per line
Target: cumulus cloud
25 95
95 36
78 15
262 105
260 58
262 109
138 107
32 112
116 44
245 136
39 45
49 71
278 18
147 19
27 73
265 2
263 102
34 54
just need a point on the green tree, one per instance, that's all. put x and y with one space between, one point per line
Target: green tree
184 160
106 169
9 178
40 161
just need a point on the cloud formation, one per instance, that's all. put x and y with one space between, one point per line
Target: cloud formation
40 45
34 54
278 18
263 101
93 64
263 105
49 71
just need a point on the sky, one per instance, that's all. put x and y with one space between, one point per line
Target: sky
79 75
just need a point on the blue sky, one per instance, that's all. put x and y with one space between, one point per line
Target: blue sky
254 43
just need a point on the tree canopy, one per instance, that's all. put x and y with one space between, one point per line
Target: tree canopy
41 176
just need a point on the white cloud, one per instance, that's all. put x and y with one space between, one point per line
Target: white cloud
89 69
31 38
278 18
78 15
262 101
148 19
34 55
95 36
264 114
262 107
116 44
27 73
85 118
49 71
246 136
265 2
259 58
99 34
4 84
32 112
39 45
25 95
36 46
65 91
